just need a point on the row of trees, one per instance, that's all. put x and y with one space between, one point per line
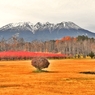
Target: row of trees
67 45
82 45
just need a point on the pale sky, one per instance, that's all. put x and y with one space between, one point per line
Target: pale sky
81 12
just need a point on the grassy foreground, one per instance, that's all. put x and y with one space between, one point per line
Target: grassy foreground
64 77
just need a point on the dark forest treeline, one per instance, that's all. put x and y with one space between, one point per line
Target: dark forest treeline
67 45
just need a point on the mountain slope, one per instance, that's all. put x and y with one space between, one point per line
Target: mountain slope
39 31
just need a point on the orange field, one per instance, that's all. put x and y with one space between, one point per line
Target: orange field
64 77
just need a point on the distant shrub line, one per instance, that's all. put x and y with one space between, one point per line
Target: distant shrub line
24 55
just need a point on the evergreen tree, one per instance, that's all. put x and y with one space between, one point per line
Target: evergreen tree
91 54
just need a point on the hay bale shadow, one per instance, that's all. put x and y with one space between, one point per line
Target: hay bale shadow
88 72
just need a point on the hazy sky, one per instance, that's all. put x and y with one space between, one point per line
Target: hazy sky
81 12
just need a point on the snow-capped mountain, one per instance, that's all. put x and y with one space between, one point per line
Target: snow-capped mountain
21 25
39 31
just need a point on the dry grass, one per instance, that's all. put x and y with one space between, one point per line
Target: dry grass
64 77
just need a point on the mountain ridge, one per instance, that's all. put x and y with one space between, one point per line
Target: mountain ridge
43 31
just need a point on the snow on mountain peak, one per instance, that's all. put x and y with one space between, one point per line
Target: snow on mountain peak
20 25
29 26
67 25
72 25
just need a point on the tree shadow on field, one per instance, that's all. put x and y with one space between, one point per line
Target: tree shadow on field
53 72
2 65
88 72
9 85
44 71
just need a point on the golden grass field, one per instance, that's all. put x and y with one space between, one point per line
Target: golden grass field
63 78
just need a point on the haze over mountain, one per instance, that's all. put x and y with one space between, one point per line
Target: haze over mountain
39 31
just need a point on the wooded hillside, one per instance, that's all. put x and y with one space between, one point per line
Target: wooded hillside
67 45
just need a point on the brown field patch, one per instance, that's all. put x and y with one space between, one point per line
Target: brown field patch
63 77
